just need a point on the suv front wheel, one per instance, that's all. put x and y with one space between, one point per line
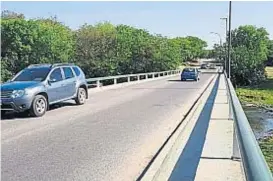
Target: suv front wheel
81 96
39 106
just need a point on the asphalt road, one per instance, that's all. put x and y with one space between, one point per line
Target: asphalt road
112 137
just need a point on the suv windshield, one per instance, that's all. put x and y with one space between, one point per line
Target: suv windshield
33 74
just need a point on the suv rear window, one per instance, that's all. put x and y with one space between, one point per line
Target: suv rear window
68 73
189 70
77 71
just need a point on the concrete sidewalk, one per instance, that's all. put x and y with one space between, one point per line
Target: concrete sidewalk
215 163
202 147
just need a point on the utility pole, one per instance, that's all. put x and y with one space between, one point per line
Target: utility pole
229 41
226 45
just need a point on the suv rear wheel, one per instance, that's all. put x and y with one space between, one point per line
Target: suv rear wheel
39 106
81 96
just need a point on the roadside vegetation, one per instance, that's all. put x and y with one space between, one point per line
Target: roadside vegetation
266 146
102 49
261 94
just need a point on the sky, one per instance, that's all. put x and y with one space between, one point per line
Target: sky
170 19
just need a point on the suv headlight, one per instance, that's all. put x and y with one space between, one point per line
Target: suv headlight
17 93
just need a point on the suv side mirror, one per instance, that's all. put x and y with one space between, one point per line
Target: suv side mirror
50 81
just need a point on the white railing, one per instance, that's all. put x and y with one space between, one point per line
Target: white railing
97 82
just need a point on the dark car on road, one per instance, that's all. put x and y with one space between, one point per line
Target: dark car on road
38 86
204 66
190 73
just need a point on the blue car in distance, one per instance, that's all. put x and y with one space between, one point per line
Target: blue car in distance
190 73
38 86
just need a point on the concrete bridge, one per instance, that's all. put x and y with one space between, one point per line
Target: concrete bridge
153 127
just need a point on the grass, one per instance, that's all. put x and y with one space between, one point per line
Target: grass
260 95
267 147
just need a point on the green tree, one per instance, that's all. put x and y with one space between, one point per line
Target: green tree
96 49
6 14
270 48
27 42
249 52
101 49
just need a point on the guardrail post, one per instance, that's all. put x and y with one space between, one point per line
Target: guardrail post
146 76
128 79
138 77
98 83
235 145
115 81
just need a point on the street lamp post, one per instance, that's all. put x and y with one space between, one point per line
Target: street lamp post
229 41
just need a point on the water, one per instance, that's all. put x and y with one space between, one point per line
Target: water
260 121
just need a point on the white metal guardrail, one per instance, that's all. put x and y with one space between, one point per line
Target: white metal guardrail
97 82
254 163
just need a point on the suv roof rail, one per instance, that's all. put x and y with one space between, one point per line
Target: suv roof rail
39 65
62 64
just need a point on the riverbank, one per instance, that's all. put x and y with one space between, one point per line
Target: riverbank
258 105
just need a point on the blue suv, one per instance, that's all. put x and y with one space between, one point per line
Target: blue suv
190 73
38 86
